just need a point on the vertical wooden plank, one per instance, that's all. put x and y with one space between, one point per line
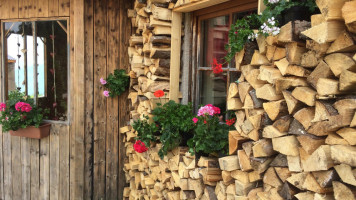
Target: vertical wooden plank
112 143
35 168
261 6
41 8
53 8
187 58
89 98
64 144
44 168
64 7
31 8
26 168
54 162
100 50
23 8
13 6
176 39
16 167
3 8
124 109
77 150
7 166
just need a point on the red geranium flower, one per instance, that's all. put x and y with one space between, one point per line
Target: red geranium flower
230 122
140 147
217 68
159 93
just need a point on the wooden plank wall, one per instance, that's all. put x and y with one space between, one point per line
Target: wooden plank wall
83 160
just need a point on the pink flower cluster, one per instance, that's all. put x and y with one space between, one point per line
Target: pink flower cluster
23 107
208 110
103 81
2 106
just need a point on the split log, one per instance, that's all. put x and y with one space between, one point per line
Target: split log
339 62
344 154
325 178
275 109
347 81
263 148
234 104
309 59
342 192
327 87
331 10
316 19
283 123
229 163
325 32
271 178
244 161
292 103
272 132
282 66
320 49
343 44
348 13
305 116
345 173
320 159
321 71
268 92
310 144
294 53
349 134
286 83
259 59
280 144
305 95
269 74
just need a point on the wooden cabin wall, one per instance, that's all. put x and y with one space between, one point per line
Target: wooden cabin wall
81 160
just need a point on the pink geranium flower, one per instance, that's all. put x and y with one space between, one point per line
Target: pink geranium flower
103 81
106 93
195 120
140 147
208 110
23 107
2 106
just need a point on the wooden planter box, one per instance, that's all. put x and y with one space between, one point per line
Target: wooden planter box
33 132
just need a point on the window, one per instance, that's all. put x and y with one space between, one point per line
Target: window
212 37
36 63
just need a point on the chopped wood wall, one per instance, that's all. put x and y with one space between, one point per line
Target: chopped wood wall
81 160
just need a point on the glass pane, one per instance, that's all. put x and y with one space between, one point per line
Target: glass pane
214 35
52 63
213 89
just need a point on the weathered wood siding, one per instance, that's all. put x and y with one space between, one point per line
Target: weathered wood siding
81 160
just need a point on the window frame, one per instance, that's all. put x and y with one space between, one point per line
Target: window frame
228 8
4 66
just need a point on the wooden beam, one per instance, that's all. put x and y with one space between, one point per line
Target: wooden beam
176 39
198 5
261 7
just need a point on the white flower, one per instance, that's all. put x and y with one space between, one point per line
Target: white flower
273 1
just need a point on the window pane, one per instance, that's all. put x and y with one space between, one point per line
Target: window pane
214 35
52 63
213 89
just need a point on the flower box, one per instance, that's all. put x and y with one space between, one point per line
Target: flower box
33 132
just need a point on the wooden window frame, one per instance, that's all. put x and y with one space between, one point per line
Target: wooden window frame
224 9
4 63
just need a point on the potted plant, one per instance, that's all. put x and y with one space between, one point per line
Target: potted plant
115 83
210 134
21 117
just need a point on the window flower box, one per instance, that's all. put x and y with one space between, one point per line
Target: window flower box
33 132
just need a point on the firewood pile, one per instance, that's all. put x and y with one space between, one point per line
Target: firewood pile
149 51
295 106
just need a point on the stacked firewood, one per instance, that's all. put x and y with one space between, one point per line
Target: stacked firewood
149 51
295 105
179 175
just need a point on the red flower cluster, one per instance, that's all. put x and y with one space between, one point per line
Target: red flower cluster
159 93
230 122
217 68
140 147
23 107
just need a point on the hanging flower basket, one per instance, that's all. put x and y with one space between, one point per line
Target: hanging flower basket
33 132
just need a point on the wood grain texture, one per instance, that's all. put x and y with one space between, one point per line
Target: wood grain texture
112 114
89 97
26 167
124 110
54 162
64 7
64 143
100 54
175 56
7 166
16 167
53 8
77 112
35 168
2 192
23 8
44 168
